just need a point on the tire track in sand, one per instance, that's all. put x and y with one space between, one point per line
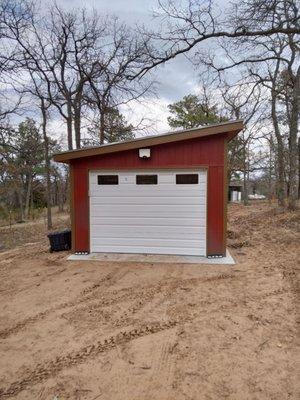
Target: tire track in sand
85 295
88 294
49 369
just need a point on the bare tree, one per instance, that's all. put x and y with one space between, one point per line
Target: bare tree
243 102
282 53
73 46
118 57
85 61
37 90
184 29
56 47
10 102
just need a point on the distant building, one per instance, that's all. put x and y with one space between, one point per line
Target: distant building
256 196
235 191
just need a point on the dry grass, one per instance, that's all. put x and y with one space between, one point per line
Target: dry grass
30 232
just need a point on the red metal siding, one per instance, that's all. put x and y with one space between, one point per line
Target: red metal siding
215 211
207 152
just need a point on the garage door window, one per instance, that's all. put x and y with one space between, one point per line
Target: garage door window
146 179
186 179
108 179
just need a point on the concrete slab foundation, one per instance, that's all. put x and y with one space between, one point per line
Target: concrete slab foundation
152 258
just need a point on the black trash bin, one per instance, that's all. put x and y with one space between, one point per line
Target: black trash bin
60 241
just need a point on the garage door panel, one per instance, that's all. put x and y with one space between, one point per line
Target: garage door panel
148 250
138 231
134 238
142 211
153 208
151 242
148 221
147 190
148 200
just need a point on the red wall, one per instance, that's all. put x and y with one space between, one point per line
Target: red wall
207 152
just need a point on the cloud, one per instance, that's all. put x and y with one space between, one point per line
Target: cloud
151 114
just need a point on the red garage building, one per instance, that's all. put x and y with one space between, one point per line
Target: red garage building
164 194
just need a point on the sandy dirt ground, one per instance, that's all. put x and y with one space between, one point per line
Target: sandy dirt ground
133 331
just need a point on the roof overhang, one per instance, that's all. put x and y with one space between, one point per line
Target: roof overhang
231 129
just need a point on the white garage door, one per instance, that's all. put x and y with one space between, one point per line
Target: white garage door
157 212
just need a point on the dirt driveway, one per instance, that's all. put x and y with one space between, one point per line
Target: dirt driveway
91 330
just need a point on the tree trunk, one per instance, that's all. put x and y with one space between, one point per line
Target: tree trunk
60 193
77 125
280 170
280 154
20 200
270 173
28 193
245 189
60 199
32 205
47 166
293 156
245 179
299 168
102 128
69 126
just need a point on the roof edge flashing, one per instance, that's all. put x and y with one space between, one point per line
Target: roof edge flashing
231 128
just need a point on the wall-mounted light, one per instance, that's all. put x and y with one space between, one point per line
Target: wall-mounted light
144 153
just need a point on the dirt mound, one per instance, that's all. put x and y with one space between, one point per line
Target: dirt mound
271 223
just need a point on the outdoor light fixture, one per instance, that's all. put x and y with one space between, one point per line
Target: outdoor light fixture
144 153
